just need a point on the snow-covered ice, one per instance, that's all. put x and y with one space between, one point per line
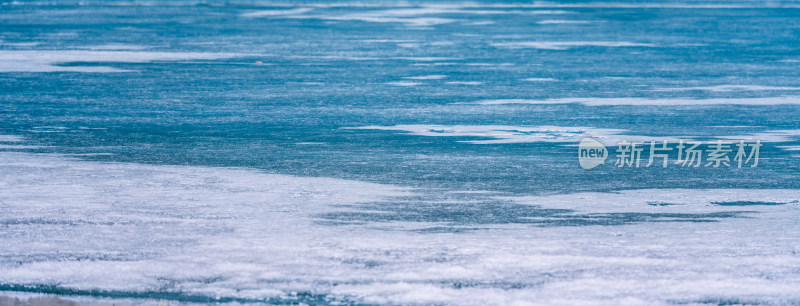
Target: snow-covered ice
241 233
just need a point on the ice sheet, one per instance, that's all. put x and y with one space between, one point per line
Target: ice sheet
237 233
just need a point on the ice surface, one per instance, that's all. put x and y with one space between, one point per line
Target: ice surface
570 134
411 16
295 11
464 83
564 45
241 233
726 88
768 136
661 200
425 58
404 83
47 61
19 147
11 138
486 224
519 134
427 77
562 21
114 47
649 101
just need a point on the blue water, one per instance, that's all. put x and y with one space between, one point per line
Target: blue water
290 86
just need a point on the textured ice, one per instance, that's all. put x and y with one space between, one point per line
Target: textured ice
649 101
725 88
235 233
330 216
425 58
562 21
47 61
11 138
137 227
296 11
676 201
564 45
557 134
114 47
519 134
768 136
427 77
410 16
480 23
19 147
404 83
464 83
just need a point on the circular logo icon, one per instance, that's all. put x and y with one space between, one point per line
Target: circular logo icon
591 153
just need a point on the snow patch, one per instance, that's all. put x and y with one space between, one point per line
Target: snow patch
47 61
224 232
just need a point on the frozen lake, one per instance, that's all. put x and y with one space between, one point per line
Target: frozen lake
397 153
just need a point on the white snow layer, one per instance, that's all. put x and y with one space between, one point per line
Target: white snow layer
243 233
